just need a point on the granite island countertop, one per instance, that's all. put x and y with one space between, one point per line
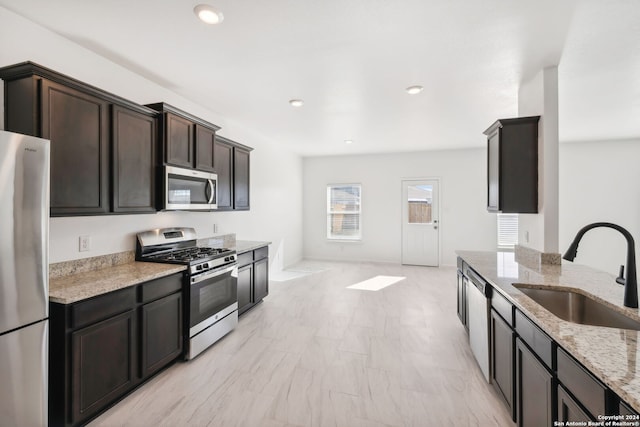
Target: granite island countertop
611 354
76 287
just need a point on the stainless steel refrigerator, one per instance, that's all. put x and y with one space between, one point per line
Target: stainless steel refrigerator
24 279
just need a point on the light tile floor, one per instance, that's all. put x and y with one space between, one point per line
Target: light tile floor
315 353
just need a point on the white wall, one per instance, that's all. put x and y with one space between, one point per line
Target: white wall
600 181
539 97
276 175
465 222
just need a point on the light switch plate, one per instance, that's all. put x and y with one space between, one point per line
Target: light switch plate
84 243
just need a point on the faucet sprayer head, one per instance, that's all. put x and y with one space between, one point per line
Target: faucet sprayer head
572 251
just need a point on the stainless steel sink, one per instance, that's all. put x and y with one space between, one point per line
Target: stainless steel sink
578 308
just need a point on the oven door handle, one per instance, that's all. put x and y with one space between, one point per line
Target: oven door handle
205 276
212 191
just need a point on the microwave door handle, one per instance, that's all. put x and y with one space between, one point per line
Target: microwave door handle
211 191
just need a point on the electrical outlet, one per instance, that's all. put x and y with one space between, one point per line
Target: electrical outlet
215 228
526 236
84 243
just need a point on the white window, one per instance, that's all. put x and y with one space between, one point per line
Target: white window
507 231
343 211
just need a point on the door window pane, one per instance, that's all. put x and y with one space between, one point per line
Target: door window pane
420 202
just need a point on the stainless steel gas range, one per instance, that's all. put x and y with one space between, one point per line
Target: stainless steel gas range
211 291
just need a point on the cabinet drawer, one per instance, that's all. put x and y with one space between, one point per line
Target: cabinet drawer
102 307
245 258
160 287
539 342
586 388
261 253
502 307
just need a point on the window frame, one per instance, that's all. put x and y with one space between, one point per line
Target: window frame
330 213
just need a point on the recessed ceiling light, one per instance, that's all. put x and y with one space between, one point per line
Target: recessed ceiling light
208 14
348 141
412 90
296 102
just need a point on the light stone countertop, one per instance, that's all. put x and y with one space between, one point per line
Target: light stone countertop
243 246
79 286
611 354
73 281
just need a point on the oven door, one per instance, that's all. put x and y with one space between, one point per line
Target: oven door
213 296
188 189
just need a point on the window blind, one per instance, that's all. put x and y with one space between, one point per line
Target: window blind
507 230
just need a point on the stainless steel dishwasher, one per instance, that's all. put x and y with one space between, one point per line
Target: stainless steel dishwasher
479 293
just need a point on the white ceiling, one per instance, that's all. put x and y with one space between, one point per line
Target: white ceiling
350 60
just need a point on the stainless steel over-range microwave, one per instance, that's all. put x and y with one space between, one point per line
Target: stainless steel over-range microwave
188 189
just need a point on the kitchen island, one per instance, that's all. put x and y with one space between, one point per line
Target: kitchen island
608 354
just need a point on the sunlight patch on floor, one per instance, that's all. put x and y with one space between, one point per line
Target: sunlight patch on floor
376 283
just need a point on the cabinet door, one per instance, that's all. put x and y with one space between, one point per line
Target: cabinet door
260 279
493 172
161 333
568 409
240 178
102 364
178 141
205 152
534 389
624 409
134 139
223 161
502 344
76 124
245 285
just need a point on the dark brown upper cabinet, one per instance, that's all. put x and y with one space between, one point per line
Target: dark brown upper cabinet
185 140
240 178
223 156
205 151
512 173
96 139
178 140
232 168
134 160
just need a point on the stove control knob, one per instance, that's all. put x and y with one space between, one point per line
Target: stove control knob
226 258
205 265
198 267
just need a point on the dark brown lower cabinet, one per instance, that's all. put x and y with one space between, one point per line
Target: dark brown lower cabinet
502 368
102 363
253 278
534 389
161 333
260 279
245 285
624 409
103 347
569 409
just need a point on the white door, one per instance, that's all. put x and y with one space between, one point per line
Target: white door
420 223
